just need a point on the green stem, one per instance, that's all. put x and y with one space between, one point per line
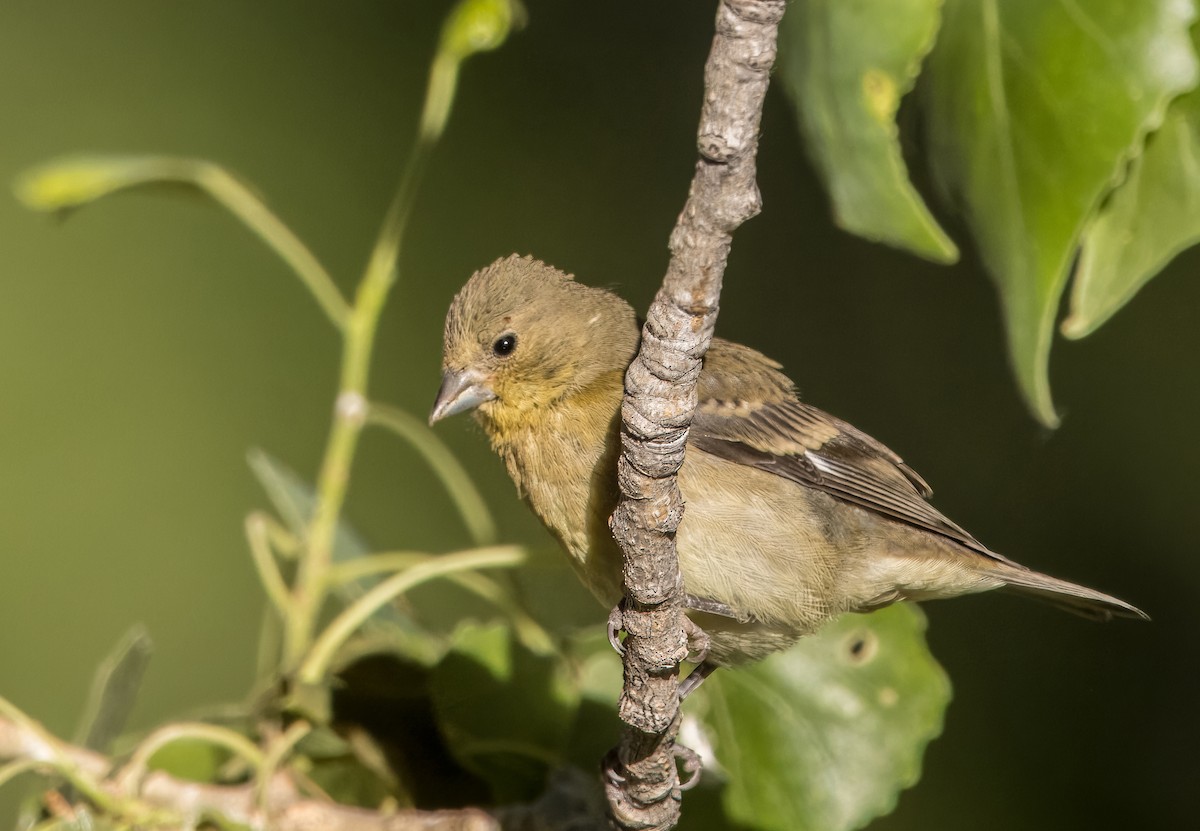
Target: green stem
232 741
466 497
276 752
317 663
389 561
350 410
473 26
246 206
530 632
259 538
73 182
14 769
49 753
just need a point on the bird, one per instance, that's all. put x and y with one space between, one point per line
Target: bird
792 516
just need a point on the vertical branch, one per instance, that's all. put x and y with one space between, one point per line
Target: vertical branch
660 396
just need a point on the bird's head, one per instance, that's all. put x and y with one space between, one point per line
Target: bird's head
522 334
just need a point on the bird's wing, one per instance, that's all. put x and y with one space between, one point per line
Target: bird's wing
748 413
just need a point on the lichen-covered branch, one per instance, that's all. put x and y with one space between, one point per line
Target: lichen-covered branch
660 396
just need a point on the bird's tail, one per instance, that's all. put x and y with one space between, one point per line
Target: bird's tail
1068 596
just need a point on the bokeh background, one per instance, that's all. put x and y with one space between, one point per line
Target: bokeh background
148 342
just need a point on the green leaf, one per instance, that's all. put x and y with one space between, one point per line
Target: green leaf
1151 217
506 713
114 691
69 183
348 782
439 605
596 672
825 735
845 66
1033 109
192 759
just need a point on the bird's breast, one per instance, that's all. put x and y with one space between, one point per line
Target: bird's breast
563 461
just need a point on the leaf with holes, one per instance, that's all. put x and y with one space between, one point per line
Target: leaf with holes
1033 110
845 67
826 735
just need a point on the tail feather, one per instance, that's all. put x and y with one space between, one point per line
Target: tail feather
1069 597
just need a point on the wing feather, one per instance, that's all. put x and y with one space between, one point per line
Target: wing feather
748 413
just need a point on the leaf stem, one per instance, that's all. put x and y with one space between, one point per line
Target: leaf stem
529 631
246 206
259 537
276 752
213 734
371 565
466 497
350 413
317 663
12 770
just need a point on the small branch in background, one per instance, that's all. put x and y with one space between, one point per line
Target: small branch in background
168 801
660 396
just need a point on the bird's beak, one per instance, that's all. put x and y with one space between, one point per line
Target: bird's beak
461 390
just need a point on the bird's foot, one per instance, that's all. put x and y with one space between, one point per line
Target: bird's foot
616 624
697 640
610 769
690 766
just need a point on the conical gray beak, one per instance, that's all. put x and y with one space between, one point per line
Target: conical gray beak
461 391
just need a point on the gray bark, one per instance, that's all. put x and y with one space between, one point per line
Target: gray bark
660 396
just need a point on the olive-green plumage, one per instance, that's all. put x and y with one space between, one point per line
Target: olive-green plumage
792 516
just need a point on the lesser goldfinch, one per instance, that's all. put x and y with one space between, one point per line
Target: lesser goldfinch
792 516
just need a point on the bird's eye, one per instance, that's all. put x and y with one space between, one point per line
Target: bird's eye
505 345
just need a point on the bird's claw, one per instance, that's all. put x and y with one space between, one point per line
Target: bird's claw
616 624
697 638
610 766
690 763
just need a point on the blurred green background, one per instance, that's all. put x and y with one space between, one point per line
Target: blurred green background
150 341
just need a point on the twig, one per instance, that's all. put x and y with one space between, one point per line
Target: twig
283 809
660 396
